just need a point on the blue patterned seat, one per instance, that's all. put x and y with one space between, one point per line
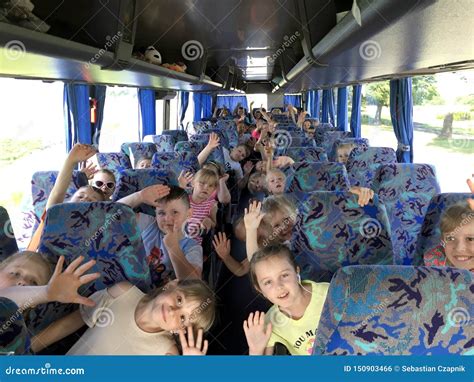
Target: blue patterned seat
362 142
194 147
311 154
104 231
406 190
164 143
319 176
114 162
320 132
42 184
180 135
231 135
397 310
137 150
363 163
430 234
329 137
176 162
8 244
333 231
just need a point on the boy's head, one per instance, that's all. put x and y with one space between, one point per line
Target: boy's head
204 184
183 303
173 210
239 153
104 180
143 162
275 181
88 194
457 230
343 151
256 182
25 269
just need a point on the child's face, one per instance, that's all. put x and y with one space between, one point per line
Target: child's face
105 182
258 184
260 166
238 154
23 273
306 125
171 310
282 225
144 163
278 281
85 194
459 247
276 183
343 154
202 190
171 214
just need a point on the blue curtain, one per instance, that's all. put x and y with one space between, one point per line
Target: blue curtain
312 103
401 112
184 98
328 107
342 109
146 99
356 116
202 106
99 93
77 115
294 99
231 102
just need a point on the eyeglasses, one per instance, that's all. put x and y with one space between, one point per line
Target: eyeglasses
109 185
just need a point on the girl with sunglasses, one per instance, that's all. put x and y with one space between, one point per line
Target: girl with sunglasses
105 181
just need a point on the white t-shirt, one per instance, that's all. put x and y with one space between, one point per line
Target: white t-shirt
231 164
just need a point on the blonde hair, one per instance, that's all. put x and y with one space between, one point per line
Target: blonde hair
278 203
207 176
275 171
194 290
27 256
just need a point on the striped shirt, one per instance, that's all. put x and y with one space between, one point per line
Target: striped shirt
201 211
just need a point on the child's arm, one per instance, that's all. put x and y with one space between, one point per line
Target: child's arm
148 195
79 153
210 221
222 246
57 331
62 286
242 183
206 151
470 184
257 335
365 194
223 193
265 115
252 218
183 269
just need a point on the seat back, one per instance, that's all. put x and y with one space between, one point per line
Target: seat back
319 176
311 154
357 142
176 162
329 137
406 190
8 244
179 135
137 150
164 143
364 161
430 233
42 184
114 162
333 231
397 310
104 231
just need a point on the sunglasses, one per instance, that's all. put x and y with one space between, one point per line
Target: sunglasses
109 185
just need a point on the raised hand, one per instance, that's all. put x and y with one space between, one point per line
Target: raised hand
470 184
172 238
81 152
224 178
213 141
150 195
89 170
185 179
256 333
364 194
253 215
207 224
189 346
222 245
248 166
63 286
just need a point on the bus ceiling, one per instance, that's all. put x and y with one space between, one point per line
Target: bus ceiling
238 45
